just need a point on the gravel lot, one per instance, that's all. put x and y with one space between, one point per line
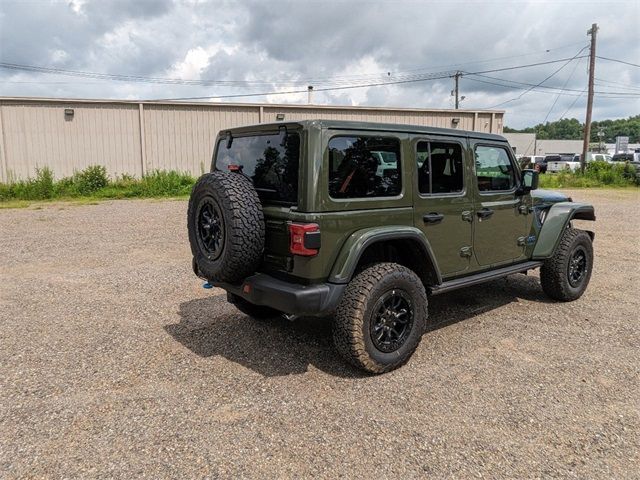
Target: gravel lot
114 362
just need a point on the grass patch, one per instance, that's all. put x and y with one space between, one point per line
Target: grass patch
14 204
93 184
596 175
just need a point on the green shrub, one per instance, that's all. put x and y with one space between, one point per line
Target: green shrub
91 179
596 174
39 188
161 183
43 184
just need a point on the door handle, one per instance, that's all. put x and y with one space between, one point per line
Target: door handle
433 218
484 213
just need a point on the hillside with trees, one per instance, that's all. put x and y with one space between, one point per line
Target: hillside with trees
572 129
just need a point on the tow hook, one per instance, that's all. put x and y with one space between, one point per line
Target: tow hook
290 316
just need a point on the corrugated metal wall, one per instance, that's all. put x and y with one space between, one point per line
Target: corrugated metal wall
38 135
523 143
182 138
135 138
545 147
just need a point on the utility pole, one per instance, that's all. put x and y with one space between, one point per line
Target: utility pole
587 125
457 89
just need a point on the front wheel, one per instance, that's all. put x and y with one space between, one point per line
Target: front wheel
566 274
381 318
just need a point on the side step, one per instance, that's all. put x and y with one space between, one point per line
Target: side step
483 277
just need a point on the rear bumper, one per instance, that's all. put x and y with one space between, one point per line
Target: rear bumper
314 300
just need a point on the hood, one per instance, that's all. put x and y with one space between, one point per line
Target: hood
548 197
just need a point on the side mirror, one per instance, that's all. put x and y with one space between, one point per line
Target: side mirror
528 181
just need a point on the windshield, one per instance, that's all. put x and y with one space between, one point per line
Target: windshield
272 166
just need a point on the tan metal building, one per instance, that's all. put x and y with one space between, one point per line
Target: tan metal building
527 144
137 137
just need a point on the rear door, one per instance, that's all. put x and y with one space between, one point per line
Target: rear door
442 201
500 215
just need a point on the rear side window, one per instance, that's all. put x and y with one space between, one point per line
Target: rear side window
494 169
270 161
439 167
363 167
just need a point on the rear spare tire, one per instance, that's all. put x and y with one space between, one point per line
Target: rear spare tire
226 227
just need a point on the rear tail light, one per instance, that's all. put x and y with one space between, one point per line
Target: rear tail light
304 239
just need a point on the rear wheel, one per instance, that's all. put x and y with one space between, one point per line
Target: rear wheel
565 276
381 317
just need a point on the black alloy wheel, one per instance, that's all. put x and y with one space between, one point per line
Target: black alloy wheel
211 232
381 317
578 267
391 321
565 275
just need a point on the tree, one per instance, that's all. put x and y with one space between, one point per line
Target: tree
572 129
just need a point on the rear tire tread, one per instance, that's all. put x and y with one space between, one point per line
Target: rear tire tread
244 224
348 331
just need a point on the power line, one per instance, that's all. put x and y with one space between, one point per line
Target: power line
515 87
410 79
618 61
228 83
326 89
572 104
546 87
209 82
563 86
627 86
545 79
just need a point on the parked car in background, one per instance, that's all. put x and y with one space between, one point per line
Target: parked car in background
626 157
544 165
572 162
530 162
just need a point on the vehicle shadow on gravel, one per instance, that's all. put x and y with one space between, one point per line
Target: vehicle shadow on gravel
212 327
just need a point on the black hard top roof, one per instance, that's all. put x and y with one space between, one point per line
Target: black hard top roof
350 125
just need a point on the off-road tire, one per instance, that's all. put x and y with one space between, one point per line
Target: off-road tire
259 312
554 273
243 235
354 317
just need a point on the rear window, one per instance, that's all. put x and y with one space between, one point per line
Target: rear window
271 163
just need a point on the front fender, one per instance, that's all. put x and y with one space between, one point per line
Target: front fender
556 221
350 253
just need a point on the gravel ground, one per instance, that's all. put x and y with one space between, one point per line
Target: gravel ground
114 362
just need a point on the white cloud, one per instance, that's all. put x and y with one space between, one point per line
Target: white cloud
284 45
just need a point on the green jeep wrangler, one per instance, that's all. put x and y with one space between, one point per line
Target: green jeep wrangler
362 221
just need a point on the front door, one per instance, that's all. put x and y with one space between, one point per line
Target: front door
500 215
443 206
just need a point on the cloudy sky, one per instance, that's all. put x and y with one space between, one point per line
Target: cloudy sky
197 48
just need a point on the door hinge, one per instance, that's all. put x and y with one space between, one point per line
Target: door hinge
467 216
523 209
521 241
466 252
